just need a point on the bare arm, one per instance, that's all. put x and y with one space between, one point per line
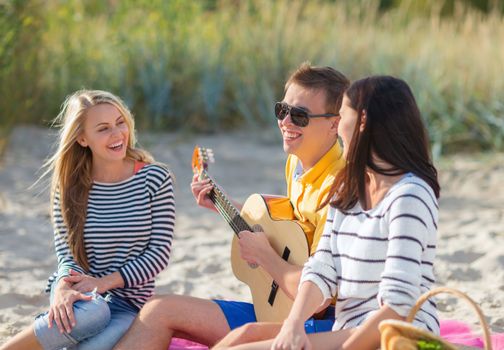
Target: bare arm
292 334
367 336
255 248
286 275
307 301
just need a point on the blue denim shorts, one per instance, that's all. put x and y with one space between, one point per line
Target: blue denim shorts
238 313
100 324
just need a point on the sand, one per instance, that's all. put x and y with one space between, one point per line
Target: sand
471 228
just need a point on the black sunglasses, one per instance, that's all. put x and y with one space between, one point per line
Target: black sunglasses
299 116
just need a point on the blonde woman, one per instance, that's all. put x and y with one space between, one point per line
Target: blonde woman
113 214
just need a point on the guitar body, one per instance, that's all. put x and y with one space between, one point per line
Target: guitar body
274 216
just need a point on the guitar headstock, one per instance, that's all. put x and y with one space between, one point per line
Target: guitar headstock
201 158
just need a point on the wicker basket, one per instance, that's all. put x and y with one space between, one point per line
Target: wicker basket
402 335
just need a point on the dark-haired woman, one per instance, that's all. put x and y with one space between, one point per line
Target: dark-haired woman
378 247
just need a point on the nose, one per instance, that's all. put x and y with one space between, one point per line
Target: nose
116 130
287 120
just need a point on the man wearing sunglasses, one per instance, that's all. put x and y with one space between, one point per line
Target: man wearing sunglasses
308 121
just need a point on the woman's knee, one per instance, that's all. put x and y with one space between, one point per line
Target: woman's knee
91 317
160 310
164 304
177 311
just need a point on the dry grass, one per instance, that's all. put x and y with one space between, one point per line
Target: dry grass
181 65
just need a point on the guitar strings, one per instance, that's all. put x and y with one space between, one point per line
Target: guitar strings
220 199
223 206
237 227
219 206
229 220
223 212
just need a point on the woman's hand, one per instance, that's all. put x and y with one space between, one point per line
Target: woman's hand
85 283
292 336
200 190
61 309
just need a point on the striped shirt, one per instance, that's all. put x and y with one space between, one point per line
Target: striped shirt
129 229
379 256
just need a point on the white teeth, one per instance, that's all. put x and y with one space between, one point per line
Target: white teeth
116 145
291 135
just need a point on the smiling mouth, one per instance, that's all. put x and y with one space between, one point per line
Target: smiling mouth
288 135
116 146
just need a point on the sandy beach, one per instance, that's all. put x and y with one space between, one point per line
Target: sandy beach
470 254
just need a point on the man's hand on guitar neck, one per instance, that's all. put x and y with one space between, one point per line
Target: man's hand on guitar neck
256 249
200 190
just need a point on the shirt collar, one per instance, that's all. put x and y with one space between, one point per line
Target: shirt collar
320 167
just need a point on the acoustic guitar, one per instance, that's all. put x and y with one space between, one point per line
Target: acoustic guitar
272 215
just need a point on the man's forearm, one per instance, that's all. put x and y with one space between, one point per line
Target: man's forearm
285 274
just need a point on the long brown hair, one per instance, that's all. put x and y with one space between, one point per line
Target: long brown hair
71 164
393 132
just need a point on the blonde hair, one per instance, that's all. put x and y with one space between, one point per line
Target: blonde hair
71 163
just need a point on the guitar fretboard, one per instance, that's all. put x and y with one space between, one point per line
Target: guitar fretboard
224 206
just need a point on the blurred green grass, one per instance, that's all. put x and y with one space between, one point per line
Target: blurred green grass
217 65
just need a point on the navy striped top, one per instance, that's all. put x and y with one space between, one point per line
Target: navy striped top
129 229
379 256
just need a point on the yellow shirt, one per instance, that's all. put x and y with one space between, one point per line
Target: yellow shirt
309 190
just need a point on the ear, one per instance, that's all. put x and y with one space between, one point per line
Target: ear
362 125
333 127
81 140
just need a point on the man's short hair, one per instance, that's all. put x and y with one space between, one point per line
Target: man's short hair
332 82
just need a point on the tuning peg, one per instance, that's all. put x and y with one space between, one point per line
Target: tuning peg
210 154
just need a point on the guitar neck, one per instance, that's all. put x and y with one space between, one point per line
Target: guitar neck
225 208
